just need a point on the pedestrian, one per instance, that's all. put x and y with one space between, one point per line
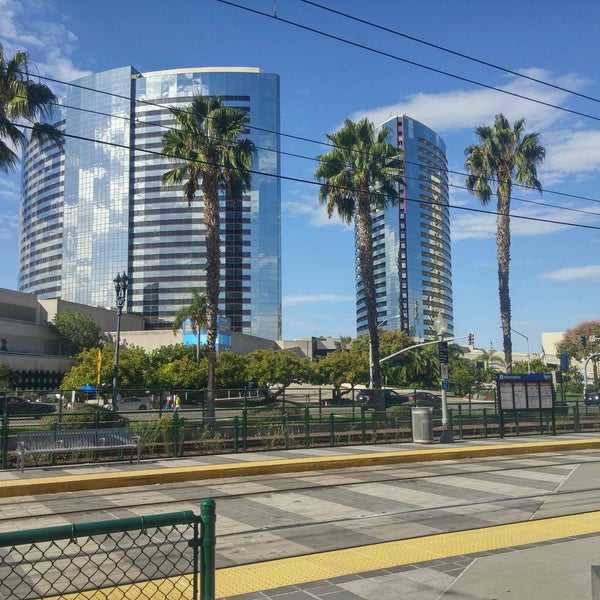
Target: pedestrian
177 402
169 403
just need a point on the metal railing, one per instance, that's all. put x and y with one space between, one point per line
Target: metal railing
301 419
154 557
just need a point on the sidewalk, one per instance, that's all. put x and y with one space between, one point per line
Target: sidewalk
542 559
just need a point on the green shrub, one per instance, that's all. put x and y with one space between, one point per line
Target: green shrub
86 416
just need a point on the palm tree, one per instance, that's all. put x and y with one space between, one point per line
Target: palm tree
211 157
361 173
196 312
22 101
504 155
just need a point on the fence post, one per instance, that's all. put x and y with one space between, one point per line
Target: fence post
244 429
307 424
175 424
236 432
363 423
485 423
331 430
576 417
207 558
460 421
5 440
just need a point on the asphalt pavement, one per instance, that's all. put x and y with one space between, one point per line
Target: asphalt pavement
550 557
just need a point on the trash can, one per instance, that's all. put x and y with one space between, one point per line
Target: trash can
422 425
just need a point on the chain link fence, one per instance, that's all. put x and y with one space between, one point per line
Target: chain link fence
169 556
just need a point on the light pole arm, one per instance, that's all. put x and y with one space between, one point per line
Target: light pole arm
463 337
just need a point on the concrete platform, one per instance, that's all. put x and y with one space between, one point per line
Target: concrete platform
546 558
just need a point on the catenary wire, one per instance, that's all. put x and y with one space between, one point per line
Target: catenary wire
280 134
315 159
308 182
449 51
410 62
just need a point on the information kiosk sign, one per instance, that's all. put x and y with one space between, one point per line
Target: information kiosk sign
525 392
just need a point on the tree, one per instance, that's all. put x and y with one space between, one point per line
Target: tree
269 368
210 155
361 173
504 155
582 341
196 311
78 331
22 101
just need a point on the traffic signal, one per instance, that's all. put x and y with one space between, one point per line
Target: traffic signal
470 339
583 341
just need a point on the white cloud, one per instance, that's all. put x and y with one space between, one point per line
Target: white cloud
466 109
587 273
317 298
304 205
537 220
31 26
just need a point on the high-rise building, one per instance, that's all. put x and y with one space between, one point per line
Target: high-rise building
411 240
96 207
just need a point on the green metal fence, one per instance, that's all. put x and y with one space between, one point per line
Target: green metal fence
299 419
155 557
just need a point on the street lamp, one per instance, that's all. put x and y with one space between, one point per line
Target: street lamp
371 365
120 282
440 325
527 340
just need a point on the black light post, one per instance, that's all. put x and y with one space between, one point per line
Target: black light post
120 282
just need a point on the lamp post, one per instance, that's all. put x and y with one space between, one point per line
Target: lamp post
371 365
527 340
440 325
120 282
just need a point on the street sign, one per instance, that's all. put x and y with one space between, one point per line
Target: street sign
445 384
443 352
444 371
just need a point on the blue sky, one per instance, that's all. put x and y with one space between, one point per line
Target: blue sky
555 267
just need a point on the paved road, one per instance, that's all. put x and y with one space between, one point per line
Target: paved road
417 531
268 516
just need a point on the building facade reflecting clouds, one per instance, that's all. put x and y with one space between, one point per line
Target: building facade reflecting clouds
98 208
411 240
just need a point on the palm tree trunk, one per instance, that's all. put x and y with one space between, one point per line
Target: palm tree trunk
365 261
503 256
212 222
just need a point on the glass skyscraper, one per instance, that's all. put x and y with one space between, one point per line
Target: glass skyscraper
411 240
97 207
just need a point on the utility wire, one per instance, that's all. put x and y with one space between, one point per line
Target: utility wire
306 181
161 125
449 51
407 61
250 126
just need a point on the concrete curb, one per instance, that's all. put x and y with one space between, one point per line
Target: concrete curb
73 483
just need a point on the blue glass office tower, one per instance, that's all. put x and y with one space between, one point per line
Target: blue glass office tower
411 240
97 207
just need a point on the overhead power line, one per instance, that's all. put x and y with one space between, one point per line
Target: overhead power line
315 183
154 104
338 38
449 51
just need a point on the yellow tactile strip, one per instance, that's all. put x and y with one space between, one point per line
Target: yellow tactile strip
24 486
245 579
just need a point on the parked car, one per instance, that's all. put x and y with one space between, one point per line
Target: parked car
15 405
592 398
367 398
134 403
426 399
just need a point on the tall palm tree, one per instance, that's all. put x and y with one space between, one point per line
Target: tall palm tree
361 173
22 101
211 157
504 154
196 312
